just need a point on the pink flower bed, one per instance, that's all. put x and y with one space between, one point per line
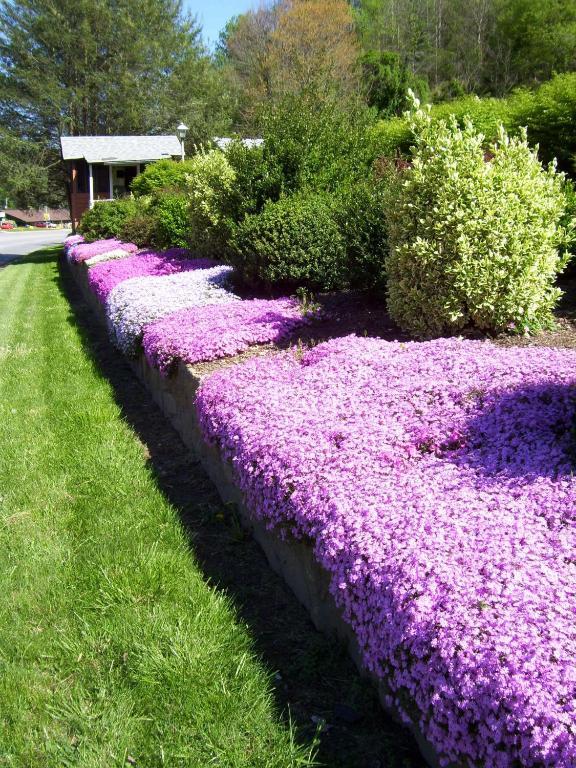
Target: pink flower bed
103 277
436 483
72 240
135 303
211 332
83 251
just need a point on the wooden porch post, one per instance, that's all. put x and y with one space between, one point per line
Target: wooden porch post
90 186
111 190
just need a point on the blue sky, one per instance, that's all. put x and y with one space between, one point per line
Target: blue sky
213 14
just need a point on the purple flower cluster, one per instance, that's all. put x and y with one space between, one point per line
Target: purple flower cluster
436 482
103 277
72 240
83 251
204 333
115 253
134 303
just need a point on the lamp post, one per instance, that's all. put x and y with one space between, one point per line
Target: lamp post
181 132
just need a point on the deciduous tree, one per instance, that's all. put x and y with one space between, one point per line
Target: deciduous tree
314 47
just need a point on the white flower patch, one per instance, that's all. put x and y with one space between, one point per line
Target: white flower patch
115 253
140 300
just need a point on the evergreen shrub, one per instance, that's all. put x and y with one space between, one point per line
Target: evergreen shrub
474 240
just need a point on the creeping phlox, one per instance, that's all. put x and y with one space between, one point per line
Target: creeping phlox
102 278
204 333
71 241
436 482
81 252
115 253
136 302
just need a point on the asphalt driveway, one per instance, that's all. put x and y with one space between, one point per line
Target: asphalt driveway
15 244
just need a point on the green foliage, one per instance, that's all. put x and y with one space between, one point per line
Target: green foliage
107 219
30 173
256 181
359 214
486 115
294 242
188 201
473 242
538 38
208 186
140 228
162 175
126 78
486 46
394 136
314 144
568 222
391 137
387 81
550 116
171 219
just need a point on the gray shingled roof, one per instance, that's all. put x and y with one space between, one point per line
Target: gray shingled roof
114 149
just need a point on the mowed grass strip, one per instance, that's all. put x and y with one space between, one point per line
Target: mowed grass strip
113 649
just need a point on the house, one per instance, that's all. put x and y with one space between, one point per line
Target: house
102 167
37 218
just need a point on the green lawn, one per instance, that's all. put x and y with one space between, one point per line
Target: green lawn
113 649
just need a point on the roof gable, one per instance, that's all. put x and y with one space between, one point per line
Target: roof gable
115 149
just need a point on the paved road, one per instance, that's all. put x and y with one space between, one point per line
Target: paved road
14 244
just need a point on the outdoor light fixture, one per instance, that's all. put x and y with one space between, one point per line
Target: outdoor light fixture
181 132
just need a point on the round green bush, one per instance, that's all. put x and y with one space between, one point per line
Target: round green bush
208 186
294 242
474 238
256 181
161 175
171 214
139 229
359 214
107 218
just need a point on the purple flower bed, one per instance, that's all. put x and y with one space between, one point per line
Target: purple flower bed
436 483
84 251
72 240
211 332
102 278
134 303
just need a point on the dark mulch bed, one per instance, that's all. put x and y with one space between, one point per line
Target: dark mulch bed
366 316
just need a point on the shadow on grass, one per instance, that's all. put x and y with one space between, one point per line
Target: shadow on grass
314 679
38 257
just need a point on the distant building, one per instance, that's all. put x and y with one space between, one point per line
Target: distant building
38 217
102 167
